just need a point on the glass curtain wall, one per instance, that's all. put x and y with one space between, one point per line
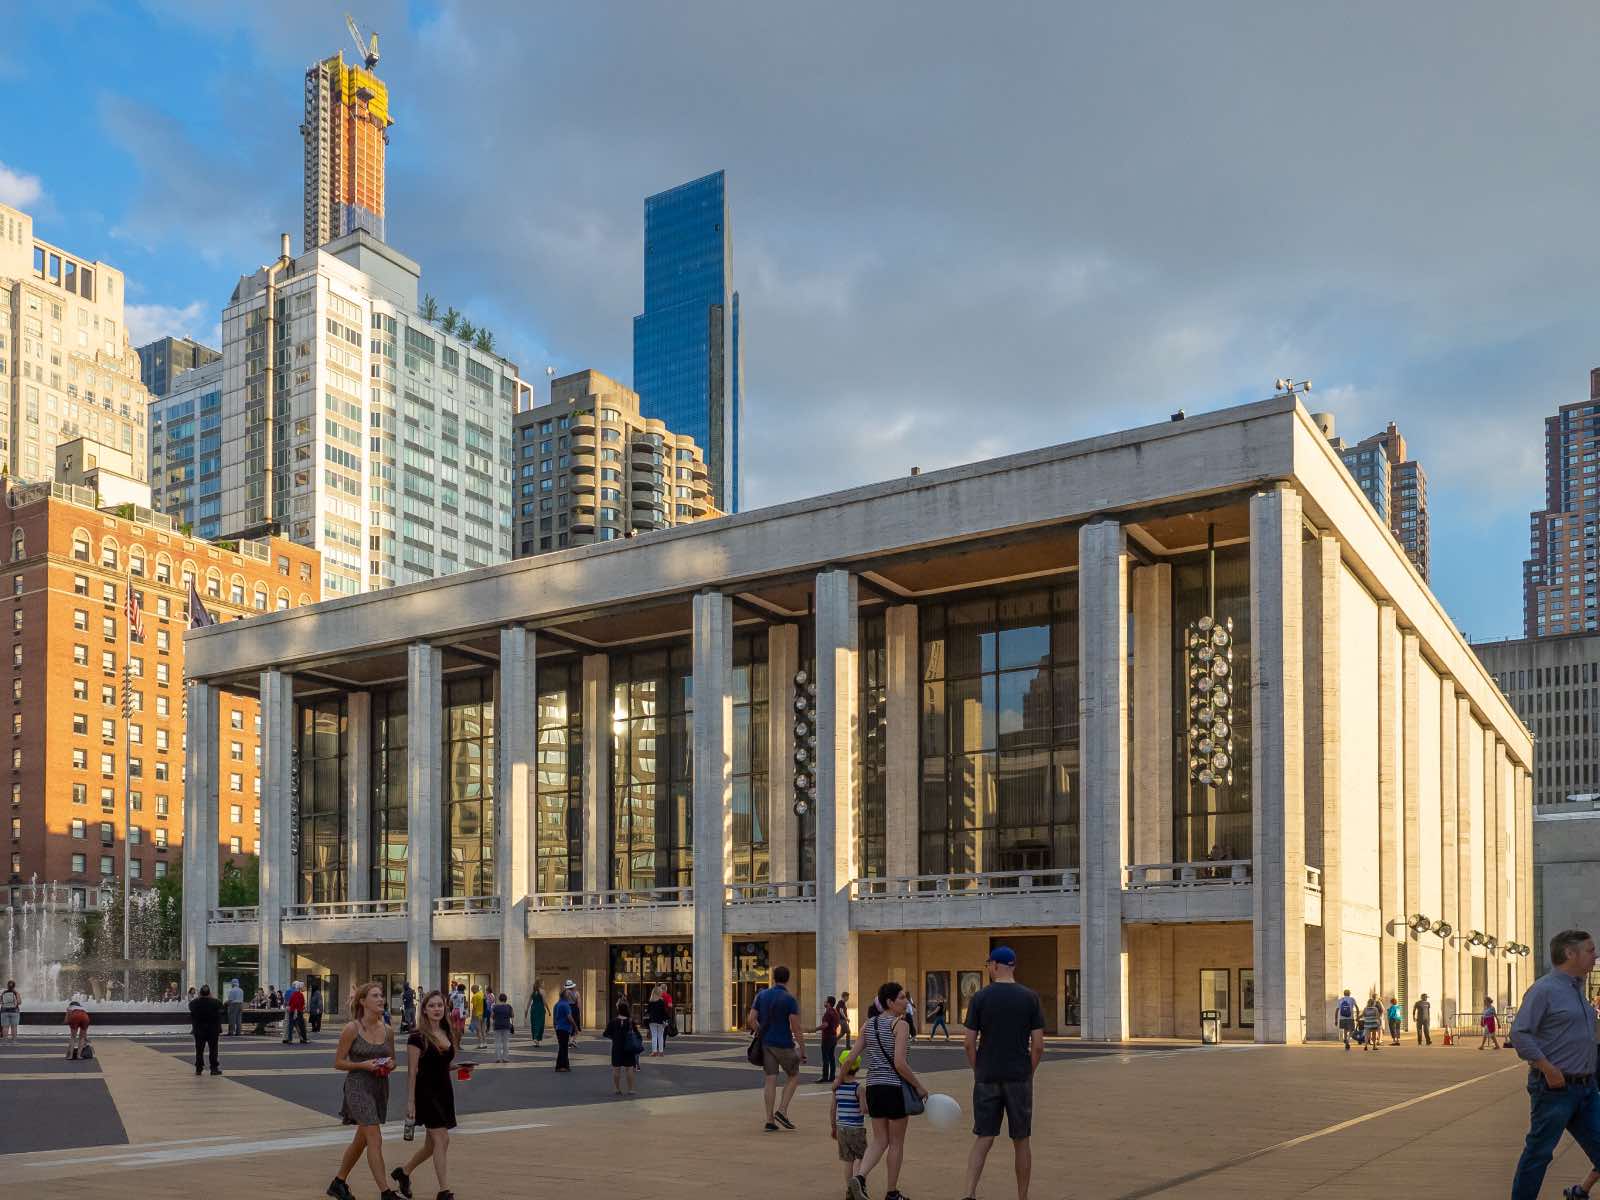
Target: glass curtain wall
322 780
1211 822
388 795
469 786
558 840
873 704
652 724
999 732
751 805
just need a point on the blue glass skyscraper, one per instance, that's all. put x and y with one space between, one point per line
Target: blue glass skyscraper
686 363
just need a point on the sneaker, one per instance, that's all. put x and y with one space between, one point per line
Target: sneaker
894 1195
858 1187
1575 1192
783 1120
402 1181
340 1190
771 1127
216 1070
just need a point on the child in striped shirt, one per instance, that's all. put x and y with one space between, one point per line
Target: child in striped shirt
848 1127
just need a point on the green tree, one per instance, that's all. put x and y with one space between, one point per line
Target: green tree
466 331
430 308
239 887
485 341
451 321
169 914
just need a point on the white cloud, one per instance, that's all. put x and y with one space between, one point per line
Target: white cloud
197 320
18 189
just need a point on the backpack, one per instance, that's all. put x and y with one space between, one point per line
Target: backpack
1347 1007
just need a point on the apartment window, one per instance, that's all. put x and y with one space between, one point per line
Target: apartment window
79 829
161 833
16 759
108 695
108 731
80 793
79 862
108 764
108 592
16 794
80 760
80 690
16 691
16 724
162 706
80 548
108 556
235 782
161 771
162 674
162 643
161 739
107 868
80 723
236 751
80 585
16 621
236 719
108 662
161 812
16 656
135 867
107 833
236 813
161 869
234 846
16 828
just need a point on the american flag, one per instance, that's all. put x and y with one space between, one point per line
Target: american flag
199 618
134 612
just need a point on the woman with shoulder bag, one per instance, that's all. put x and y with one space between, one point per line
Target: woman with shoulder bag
893 1091
626 1046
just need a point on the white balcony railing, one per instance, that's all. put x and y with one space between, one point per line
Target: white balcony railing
235 916
805 891
1234 872
1314 879
358 909
934 888
467 904
671 897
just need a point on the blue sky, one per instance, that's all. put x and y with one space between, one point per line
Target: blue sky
959 230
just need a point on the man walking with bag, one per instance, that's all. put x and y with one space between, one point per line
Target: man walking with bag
775 1020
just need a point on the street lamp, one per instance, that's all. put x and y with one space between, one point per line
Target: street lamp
1420 924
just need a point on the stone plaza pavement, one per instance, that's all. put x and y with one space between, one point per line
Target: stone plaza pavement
1146 1120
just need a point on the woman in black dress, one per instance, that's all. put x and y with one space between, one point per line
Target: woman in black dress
626 1046
430 1100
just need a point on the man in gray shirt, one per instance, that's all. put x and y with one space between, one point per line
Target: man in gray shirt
235 1008
1554 1032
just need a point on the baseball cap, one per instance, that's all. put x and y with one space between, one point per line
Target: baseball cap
1003 955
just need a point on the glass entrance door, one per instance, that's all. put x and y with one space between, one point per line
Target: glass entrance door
749 977
636 969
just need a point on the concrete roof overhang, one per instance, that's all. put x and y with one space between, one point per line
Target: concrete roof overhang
982 524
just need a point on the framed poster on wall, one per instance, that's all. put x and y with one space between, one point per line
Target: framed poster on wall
967 985
1247 997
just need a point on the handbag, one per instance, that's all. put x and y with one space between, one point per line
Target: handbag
908 1094
755 1055
633 1044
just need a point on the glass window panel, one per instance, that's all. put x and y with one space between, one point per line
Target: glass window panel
1024 708
972 714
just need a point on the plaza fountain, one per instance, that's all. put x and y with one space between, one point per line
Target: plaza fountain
63 942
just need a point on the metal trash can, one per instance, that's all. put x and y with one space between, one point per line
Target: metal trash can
1210 1027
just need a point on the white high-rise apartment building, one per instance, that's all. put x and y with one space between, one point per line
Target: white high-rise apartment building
391 439
67 369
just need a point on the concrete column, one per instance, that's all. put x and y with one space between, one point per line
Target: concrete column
1504 930
902 717
1493 823
1465 992
358 802
1320 662
279 868
516 736
1152 709
1103 738
1530 936
201 796
713 804
837 735
424 808
783 835
1390 746
1277 793
1411 810
596 776
1449 860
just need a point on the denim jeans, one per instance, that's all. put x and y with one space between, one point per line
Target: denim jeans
1575 1109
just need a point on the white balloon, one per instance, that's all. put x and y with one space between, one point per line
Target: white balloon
943 1112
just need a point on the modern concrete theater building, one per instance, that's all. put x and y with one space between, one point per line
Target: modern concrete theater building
868 734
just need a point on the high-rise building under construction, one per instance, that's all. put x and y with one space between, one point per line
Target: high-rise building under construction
346 131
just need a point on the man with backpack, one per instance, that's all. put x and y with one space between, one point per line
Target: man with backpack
1346 1011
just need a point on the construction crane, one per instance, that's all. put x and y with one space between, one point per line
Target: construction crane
367 50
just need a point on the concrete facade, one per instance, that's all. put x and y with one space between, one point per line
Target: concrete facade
1034 791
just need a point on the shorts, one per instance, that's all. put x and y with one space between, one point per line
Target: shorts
1014 1098
852 1142
886 1102
10 1019
773 1057
1347 1023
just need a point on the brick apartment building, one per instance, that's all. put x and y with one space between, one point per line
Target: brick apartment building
69 568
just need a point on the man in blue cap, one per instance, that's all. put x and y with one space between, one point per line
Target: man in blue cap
1004 1041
